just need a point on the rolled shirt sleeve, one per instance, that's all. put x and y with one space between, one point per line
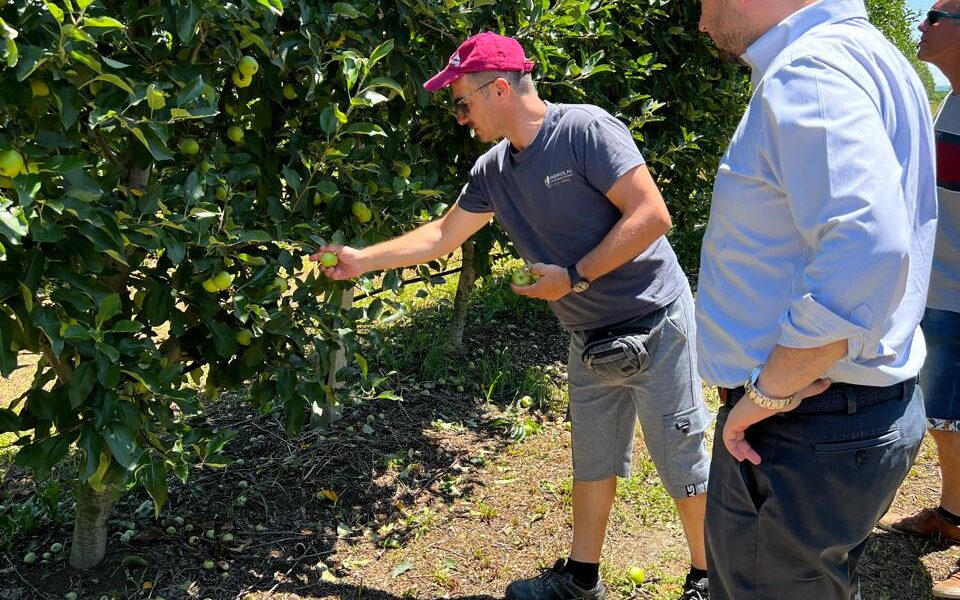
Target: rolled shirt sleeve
842 180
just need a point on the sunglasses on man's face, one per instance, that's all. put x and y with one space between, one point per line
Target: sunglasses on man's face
935 15
463 109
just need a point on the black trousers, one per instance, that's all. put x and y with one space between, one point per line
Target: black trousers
795 526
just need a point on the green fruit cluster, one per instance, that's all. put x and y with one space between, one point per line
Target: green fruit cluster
218 282
247 67
361 211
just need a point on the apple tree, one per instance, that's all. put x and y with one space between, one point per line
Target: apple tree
164 169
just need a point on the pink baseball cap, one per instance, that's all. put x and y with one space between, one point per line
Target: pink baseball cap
481 52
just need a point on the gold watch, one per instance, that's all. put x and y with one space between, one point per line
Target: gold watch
761 400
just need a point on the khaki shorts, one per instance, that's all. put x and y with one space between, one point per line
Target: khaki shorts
646 371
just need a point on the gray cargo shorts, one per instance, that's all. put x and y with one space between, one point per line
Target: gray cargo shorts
646 370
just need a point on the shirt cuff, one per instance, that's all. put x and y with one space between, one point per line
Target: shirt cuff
809 324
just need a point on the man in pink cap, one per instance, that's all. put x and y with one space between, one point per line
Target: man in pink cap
569 186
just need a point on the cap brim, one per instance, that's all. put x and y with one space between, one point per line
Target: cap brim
442 80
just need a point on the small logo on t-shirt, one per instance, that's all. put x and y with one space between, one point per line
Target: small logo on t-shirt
558 178
455 59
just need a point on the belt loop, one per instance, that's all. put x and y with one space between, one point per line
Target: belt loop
851 400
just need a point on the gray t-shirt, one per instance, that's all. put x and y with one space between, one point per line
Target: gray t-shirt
945 274
550 198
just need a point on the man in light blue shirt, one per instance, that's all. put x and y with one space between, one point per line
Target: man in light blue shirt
813 280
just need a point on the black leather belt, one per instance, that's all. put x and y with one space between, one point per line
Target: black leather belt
839 397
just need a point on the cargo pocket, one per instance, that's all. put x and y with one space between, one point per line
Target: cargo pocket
685 452
615 354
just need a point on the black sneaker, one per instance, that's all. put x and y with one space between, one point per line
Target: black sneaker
553 584
695 589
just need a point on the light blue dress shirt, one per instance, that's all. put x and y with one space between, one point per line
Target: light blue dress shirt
824 208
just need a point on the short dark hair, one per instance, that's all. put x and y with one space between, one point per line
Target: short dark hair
518 80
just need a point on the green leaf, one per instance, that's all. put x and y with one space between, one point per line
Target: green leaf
295 414
191 92
115 80
90 444
81 384
328 119
109 307
381 51
27 187
151 142
372 97
116 64
327 188
153 476
12 53
384 82
9 421
223 338
111 352
275 6
187 22
121 443
370 129
31 58
180 114
55 11
362 362
88 60
103 22
8 358
9 34
342 9
13 223
82 186
46 319
293 180
42 456
27 294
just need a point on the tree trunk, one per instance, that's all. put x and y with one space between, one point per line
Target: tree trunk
468 275
90 526
338 358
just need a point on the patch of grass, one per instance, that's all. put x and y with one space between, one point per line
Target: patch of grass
485 511
644 493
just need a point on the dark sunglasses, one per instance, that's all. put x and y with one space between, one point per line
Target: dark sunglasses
463 109
935 15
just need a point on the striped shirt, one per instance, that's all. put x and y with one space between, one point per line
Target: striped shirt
824 207
945 278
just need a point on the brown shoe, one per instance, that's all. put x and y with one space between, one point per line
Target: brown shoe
926 523
949 587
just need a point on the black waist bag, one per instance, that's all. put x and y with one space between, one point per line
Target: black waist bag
616 352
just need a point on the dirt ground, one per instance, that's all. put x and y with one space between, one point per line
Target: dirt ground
445 494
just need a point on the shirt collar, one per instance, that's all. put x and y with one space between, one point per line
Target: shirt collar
761 54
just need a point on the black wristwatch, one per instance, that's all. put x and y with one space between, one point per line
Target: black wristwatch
577 283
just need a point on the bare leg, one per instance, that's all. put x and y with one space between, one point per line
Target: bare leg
948 448
692 511
592 501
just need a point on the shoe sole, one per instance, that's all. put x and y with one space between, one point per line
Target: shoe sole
925 536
